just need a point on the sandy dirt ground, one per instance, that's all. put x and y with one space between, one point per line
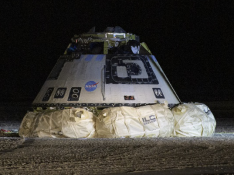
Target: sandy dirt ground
212 155
208 155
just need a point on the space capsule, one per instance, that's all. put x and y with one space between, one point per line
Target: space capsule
106 69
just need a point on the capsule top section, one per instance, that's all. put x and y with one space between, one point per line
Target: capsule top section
114 40
116 29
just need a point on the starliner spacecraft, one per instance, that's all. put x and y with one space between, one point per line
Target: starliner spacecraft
106 69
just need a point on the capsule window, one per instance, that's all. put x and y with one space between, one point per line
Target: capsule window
60 93
75 91
74 94
129 97
48 93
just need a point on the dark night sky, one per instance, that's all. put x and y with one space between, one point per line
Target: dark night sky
192 40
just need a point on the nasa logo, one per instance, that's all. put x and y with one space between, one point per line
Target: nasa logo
91 86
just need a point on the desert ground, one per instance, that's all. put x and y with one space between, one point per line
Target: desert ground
201 155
